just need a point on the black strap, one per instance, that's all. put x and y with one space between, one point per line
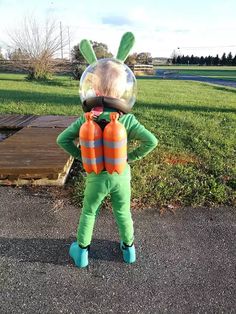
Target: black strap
107 102
102 123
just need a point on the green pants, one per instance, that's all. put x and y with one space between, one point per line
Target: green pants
97 188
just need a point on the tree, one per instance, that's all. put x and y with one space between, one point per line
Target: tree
131 59
16 55
234 60
202 60
100 49
144 58
178 60
192 60
77 55
229 59
1 55
216 60
39 44
174 57
223 59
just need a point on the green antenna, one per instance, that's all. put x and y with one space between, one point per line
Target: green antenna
126 44
87 51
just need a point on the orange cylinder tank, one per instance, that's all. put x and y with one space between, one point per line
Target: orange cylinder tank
115 145
91 144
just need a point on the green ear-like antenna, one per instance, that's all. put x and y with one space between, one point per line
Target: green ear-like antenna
126 44
87 51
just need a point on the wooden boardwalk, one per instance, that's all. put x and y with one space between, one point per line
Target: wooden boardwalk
14 121
31 155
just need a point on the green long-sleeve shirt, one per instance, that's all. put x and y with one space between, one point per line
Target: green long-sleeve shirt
135 131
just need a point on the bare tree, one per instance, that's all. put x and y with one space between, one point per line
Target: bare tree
38 44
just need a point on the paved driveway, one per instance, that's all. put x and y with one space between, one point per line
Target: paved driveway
207 80
175 75
185 262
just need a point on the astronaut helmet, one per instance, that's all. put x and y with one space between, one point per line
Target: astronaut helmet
111 82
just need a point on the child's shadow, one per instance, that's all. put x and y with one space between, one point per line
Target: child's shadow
105 250
55 251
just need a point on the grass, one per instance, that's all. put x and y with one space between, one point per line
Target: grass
226 73
194 122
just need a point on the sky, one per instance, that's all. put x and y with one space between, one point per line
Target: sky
199 27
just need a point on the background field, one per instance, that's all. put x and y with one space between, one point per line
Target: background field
194 122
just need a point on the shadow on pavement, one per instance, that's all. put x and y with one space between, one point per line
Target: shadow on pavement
55 251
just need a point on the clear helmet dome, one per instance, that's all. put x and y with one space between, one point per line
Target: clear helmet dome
109 78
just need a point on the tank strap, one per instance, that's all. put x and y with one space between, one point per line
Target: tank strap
103 122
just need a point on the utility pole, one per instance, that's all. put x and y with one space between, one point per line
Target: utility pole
61 41
69 42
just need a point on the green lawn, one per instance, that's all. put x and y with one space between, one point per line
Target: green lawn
194 122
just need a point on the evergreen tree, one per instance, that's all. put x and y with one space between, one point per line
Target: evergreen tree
229 59
234 60
202 61
223 59
216 60
192 59
197 60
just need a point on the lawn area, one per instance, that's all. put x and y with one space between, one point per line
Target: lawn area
194 122
226 73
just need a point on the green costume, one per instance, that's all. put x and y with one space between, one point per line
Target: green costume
107 85
98 186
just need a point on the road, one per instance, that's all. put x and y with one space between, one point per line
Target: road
185 261
175 75
210 80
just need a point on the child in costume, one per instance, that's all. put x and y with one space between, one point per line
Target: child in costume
106 86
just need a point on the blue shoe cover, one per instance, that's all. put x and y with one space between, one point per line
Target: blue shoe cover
79 255
129 255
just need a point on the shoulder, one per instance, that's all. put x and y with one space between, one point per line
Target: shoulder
130 122
127 118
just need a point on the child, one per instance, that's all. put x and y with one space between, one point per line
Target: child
104 89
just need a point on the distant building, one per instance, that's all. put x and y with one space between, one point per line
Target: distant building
161 61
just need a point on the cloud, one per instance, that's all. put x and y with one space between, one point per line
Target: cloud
116 20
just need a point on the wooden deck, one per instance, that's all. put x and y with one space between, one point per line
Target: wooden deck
15 121
31 155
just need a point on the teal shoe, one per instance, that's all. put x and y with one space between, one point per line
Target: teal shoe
79 255
129 255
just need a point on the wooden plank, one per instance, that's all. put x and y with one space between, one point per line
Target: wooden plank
31 156
11 121
53 121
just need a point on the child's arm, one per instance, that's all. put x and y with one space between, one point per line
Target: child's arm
66 139
147 140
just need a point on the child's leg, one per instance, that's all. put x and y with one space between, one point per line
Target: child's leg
120 197
95 192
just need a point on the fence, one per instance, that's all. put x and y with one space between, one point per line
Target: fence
22 66
65 66
142 69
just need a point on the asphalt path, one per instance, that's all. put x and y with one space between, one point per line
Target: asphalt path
185 261
210 80
172 75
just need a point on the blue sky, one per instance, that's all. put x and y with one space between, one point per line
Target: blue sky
198 27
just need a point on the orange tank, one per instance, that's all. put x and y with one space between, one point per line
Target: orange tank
91 144
115 145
